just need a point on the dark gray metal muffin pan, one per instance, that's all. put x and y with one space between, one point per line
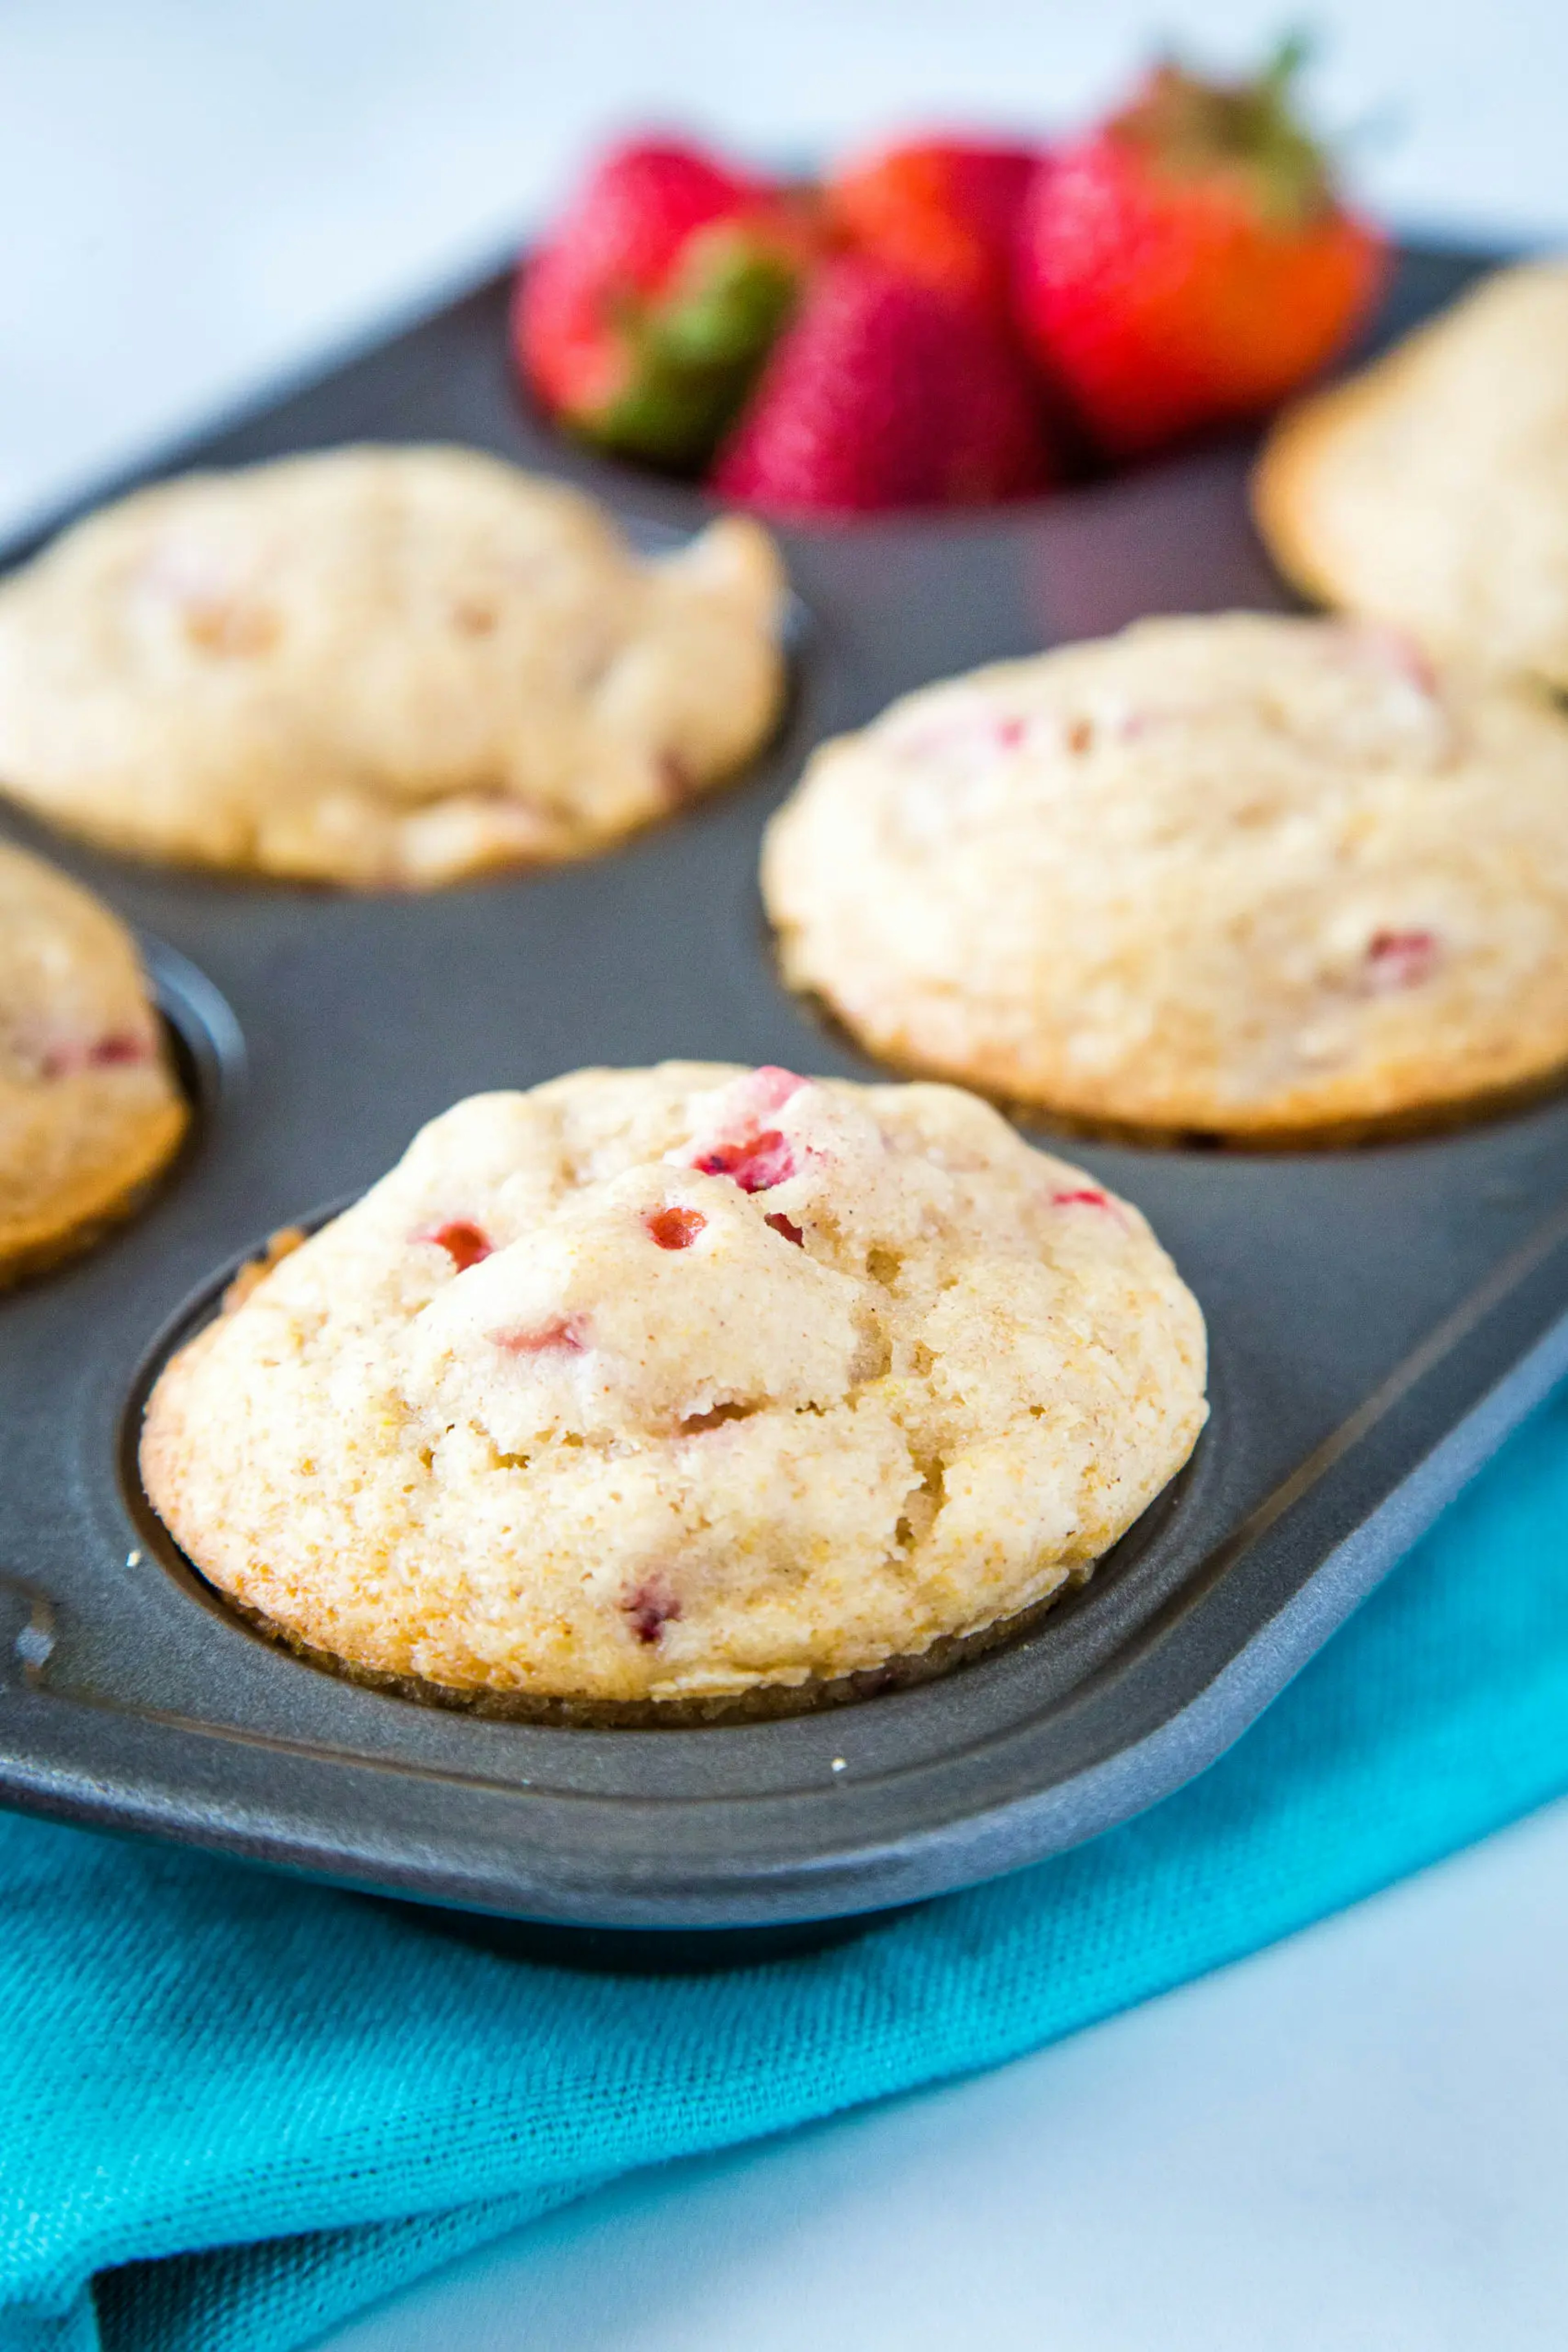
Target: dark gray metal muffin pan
1380 1319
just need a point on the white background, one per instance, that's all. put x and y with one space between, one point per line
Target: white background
1358 2141
194 191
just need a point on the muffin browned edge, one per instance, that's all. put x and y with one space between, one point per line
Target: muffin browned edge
1038 1113
763 1702
95 1210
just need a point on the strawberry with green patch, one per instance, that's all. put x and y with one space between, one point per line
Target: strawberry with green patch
641 322
1191 260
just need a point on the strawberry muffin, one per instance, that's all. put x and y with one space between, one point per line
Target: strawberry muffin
1271 880
381 668
90 1110
655 1393
1431 492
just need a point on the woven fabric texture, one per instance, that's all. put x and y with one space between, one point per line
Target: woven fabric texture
233 2109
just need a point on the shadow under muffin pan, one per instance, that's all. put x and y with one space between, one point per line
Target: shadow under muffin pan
1380 1319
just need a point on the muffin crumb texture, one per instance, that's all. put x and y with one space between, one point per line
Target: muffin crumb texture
89 1110
682 1386
1265 879
1431 489
386 667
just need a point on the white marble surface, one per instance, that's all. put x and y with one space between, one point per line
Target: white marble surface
1360 2139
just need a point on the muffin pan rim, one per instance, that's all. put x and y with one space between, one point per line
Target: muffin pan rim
203 1305
299 1833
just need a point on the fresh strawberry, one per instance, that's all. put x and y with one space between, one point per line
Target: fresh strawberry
945 210
1191 261
884 392
643 319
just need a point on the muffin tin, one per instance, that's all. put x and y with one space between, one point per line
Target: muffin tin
1379 1318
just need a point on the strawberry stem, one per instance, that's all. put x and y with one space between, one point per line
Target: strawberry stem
1190 128
1294 51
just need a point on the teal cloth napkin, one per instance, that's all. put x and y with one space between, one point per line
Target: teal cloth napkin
233 2108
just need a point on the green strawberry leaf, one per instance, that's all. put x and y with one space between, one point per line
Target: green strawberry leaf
694 353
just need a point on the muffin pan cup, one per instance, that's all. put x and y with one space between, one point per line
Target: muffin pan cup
1379 1318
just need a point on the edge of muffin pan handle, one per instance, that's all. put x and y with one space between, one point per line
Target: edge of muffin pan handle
1157 1767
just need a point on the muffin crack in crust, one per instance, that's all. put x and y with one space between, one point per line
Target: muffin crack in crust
1261 877
380 667
679 1386
90 1110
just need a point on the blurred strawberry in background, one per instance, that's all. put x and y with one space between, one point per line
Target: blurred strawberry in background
944 210
885 392
644 317
945 316
1190 261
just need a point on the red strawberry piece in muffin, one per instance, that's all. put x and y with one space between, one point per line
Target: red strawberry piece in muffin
1400 959
676 1228
651 1606
767 1468
465 1243
746 1145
